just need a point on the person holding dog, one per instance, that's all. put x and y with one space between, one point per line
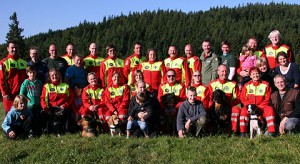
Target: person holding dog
56 99
286 103
191 117
17 122
116 98
232 93
257 92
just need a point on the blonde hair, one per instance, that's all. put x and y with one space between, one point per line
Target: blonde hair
57 71
260 62
18 99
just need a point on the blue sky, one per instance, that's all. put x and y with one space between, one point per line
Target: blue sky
37 16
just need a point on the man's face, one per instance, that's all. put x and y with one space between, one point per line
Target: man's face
34 55
53 51
70 50
254 75
191 96
77 61
173 51
279 83
12 49
188 50
222 72
252 43
93 49
137 49
141 87
275 39
171 77
206 47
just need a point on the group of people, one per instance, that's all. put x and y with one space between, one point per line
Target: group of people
137 89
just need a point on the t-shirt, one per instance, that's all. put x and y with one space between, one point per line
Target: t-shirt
58 63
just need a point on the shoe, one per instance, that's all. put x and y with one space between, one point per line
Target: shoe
267 134
243 135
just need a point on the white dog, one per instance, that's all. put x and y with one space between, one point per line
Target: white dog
254 126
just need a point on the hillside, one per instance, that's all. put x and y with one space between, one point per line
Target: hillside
158 29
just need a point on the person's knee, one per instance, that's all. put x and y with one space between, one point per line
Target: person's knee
143 126
290 126
202 120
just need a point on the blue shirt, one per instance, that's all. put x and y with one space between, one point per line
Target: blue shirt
76 76
13 118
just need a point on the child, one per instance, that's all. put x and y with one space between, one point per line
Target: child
140 110
247 60
17 122
31 89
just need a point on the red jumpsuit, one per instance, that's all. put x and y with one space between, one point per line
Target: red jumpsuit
117 98
56 94
131 64
108 67
179 64
232 93
194 64
12 75
257 93
93 96
270 53
202 94
153 73
68 59
178 89
92 64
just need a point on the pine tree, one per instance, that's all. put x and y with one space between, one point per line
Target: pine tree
14 34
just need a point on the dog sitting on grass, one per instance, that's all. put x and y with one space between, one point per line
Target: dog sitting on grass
221 111
170 112
88 127
256 121
114 125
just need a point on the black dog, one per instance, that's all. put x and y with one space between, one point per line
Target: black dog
57 121
170 112
221 112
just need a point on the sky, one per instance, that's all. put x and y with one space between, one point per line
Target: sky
36 16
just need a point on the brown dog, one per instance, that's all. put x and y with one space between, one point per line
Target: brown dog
114 125
88 127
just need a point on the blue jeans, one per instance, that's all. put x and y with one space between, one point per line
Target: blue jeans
141 124
292 125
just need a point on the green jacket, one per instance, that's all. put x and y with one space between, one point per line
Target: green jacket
209 67
32 90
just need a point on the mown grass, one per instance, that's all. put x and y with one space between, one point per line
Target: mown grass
71 148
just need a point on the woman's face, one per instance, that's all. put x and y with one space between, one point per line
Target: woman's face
54 76
92 79
116 79
196 77
152 56
138 77
282 61
255 75
263 67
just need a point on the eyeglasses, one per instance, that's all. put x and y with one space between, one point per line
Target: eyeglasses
197 75
169 76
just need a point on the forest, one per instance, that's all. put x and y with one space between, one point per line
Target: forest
160 28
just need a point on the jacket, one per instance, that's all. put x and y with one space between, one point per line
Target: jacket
209 67
12 119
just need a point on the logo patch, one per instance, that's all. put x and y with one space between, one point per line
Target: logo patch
226 88
61 89
261 91
251 91
137 62
112 93
21 64
52 89
90 63
147 67
270 54
111 64
167 90
168 64
12 65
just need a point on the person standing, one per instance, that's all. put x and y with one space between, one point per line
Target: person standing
110 65
70 52
92 62
12 75
54 61
210 63
271 51
41 68
179 64
132 63
194 63
228 59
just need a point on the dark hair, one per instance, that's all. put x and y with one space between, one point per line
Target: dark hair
109 47
225 42
30 68
11 41
141 96
191 88
283 54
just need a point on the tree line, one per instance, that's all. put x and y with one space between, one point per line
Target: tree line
160 28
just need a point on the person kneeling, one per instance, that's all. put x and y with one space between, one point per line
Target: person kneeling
191 117
139 114
17 122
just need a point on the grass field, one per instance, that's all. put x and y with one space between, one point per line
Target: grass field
71 148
